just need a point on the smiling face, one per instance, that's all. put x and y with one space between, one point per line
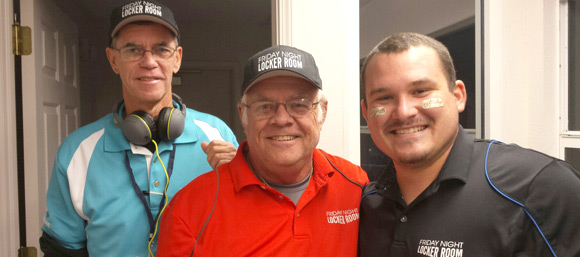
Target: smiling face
396 87
147 81
281 141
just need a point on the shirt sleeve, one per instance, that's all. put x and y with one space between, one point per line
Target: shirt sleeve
553 202
52 248
62 222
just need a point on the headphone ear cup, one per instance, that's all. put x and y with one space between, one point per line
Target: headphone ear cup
139 128
171 123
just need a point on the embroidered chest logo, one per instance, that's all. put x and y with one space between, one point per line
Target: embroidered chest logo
342 216
439 248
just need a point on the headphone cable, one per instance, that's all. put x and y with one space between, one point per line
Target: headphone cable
217 189
164 202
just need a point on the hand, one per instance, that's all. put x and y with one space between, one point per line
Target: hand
218 152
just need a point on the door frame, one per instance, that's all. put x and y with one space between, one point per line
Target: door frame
9 201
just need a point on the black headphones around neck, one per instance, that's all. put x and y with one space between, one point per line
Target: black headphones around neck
140 128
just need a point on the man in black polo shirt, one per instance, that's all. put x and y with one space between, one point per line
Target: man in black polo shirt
446 194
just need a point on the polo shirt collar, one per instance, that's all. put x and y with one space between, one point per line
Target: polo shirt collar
242 175
456 167
457 164
323 170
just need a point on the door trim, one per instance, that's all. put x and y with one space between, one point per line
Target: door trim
281 22
9 191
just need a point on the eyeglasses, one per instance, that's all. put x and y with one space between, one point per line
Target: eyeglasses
133 53
296 108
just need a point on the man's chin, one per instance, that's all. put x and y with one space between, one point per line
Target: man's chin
411 159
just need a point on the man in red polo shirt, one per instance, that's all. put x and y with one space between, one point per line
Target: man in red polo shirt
279 196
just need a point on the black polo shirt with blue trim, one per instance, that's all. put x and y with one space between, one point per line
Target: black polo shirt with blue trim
460 214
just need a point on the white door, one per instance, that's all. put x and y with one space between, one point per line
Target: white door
51 100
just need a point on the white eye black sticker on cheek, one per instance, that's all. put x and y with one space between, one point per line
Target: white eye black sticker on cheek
377 111
432 103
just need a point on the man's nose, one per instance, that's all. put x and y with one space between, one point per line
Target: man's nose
281 116
406 108
148 60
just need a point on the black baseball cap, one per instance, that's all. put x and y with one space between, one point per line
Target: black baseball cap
280 60
149 10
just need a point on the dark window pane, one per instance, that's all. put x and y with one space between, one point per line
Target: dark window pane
373 161
461 45
573 66
572 156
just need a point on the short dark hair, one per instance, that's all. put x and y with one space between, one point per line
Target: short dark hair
400 42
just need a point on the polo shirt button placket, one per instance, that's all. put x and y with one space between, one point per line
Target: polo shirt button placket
403 219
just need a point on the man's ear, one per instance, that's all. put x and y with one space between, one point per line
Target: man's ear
241 115
460 95
363 107
324 106
178 56
240 111
112 57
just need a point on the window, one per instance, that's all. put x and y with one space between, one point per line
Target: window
461 45
570 82
573 66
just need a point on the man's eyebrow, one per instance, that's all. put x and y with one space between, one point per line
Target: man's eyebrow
301 96
260 97
131 44
379 91
416 83
257 98
423 82
163 43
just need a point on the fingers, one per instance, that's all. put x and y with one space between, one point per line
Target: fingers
204 146
218 152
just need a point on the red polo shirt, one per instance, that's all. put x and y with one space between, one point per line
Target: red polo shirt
251 219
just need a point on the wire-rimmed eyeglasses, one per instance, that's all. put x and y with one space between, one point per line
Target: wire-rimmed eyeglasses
133 53
296 108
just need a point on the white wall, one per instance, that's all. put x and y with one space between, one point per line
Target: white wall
328 29
380 18
521 73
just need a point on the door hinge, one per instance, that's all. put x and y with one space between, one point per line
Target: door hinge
21 38
29 251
